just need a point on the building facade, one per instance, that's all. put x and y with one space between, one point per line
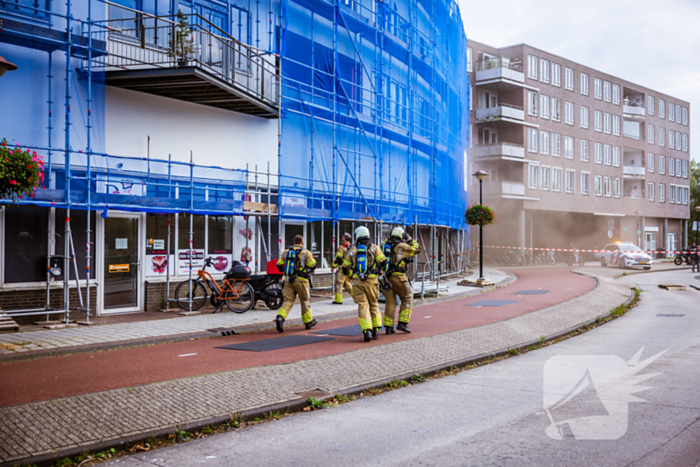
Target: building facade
575 155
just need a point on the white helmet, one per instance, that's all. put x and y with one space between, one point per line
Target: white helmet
361 232
397 232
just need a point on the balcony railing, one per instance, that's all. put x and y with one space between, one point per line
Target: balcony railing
494 63
498 73
501 149
505 188
634 110
634 171
505 111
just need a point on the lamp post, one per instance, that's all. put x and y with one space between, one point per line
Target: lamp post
697 225
481 175
639 230
6 66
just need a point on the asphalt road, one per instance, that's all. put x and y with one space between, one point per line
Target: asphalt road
494 415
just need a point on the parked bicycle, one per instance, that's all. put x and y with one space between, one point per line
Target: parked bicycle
681 257
235 290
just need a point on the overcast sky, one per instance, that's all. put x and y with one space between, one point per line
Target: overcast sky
654 43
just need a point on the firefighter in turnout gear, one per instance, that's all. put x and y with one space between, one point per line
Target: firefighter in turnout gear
341 280
363 263
297 264
400 250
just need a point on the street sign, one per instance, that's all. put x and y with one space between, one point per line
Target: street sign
639 232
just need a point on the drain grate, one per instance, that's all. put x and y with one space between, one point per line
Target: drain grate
224 331
661 315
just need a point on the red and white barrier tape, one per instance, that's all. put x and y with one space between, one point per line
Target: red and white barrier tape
584 251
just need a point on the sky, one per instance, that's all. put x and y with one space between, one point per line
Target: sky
653 43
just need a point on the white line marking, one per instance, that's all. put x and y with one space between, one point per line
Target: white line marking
187 354
426 317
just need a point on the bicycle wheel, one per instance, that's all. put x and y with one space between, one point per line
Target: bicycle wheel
182 295
245 300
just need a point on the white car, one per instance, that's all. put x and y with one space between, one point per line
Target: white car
624 255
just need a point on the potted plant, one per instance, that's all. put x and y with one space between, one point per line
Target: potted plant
21 172
182 46
478 214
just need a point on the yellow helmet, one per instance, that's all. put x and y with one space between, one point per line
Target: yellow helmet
361 232
397 232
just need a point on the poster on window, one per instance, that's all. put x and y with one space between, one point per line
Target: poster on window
158 262
183 265
220 261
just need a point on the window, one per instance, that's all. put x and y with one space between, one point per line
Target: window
585 183
607 185
570 181
598 88
220 236
608 123
598 120
471 97
470 54
532 103
678 168
584 150
598 149
616 94
556 145
650 163
678 140
532 173
544 70
607 155
584 84
532 140
671 112
25 243
650 191
616 187
678 113
584 117
544 106
671 139
556 74
672 194
599 185
556 109
685 115
544 142
616 125
662 137
685 142
662 165
686 195
685 169
532 67
569 113
662 192
616 156
607 91
568 147
544 178
569 78
671 166
650 105
662 108
556 179
650 134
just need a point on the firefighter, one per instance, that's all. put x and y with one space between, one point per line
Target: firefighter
363 263
341 280
400 249
297 264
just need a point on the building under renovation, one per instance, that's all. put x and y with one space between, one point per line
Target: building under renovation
175 130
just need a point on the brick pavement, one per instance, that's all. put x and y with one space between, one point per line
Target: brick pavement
78 422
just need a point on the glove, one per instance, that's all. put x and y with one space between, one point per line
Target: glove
280 267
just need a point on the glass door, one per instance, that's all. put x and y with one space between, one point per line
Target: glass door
290 231
121 287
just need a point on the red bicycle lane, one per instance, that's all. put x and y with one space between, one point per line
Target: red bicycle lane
82 373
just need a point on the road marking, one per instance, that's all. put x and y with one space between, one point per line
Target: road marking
187 354
426 317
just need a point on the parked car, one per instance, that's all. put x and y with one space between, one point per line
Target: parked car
624 255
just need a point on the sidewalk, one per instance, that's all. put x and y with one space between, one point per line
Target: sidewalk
186 326
73 424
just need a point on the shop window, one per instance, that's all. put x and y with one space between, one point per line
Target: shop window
157 245
183 243
220 246
78 226
25 244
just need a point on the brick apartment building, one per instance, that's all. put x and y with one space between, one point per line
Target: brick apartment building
576 155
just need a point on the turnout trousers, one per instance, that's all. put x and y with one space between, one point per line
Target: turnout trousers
401 290
298 287
341 282
366 295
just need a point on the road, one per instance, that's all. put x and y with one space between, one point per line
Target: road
493 415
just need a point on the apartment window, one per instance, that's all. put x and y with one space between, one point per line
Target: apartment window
598 88
544 142
471 97
662 192
598 120
599 185
608 122
678 168
532 173
607 91
584 84
686 195
678 113
662 108
616 94
671 166
569 147
685 142
556 179
672 194
616 125
556 109
584 150
544 178
617 187
556 74
569 113
469 59
616 156
650 191
598 150
585 183
584 117
650 105
662 137
544 106
556 145
662 165
570 181
678 140
544 70
650 163
607 154
650 134
671 139
671 112
532 67
532 140
532 103
607 185
569 78
685 115
685 169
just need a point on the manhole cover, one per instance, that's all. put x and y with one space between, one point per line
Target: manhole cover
669 316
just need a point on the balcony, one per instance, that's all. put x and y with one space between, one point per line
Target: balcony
496 74
503 112
501 151
634 112
506 190
634 172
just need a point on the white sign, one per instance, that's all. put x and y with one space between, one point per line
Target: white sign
121 243
158 244
183 263
294 201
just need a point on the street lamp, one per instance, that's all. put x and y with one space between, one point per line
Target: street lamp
639 229
6 66
481 175
697 225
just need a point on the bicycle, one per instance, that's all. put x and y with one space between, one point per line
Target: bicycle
236 293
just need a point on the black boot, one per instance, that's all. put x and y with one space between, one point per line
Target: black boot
279 321
311 323
389 330
375 333
368 335
403 327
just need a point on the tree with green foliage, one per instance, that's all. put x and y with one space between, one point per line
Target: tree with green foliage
694 195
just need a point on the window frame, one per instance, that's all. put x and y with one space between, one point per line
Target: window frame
586 144
607 155
585 81
556 109
544 138
598 153
598 185
533 98
545 169
607 91
533 181
598 121
607 123
616 156
570 189
598 88
662 137
616 94
556 74
533 148
617 187
662 108
587 184
569 79
544 71
617 125
662 192
544 107
558 171
651 134
651 105
662 165
569 111
585 121
650 163
533 71
650 191
569 147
